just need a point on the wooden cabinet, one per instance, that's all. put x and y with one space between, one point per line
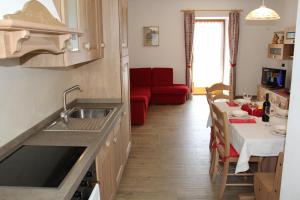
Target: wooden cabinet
125 124
110 162
94 44
32 30
123 19
281 51
125 87
118 156
277 97
104 162
85 15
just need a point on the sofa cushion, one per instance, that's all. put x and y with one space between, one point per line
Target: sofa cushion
170 90
140 77
141 94
162 77
141 91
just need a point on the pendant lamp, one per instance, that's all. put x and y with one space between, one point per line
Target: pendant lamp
263 13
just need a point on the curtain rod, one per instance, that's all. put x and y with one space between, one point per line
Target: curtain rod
224 10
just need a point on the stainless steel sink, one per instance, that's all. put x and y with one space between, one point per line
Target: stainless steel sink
89 113
82 119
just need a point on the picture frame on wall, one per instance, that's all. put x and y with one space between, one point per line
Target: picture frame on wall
151 36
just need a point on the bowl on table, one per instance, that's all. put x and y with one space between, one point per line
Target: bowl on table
279 129
241 101
239 113
281 112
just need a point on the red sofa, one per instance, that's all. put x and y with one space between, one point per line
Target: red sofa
153 86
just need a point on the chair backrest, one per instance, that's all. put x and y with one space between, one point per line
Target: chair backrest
221 134
209 101
278 175
218 91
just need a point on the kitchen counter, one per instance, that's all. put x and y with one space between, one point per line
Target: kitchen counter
92 140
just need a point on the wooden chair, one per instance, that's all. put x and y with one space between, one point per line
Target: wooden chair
267 185
218 91
224 152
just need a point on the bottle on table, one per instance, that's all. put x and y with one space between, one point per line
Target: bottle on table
266 109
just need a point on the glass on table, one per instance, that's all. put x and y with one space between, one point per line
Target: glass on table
247 97
253 105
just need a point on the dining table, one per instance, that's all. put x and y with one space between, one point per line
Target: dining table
252 139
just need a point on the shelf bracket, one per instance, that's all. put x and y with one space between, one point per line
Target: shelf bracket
16 39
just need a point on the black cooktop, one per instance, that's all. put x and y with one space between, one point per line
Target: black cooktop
38 166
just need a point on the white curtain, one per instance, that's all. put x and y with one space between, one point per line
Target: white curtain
209 52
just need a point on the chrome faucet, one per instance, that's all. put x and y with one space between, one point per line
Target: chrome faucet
65 112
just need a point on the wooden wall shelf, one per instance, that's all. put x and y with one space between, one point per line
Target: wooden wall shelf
33 29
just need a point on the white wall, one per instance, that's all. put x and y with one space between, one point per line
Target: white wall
254 37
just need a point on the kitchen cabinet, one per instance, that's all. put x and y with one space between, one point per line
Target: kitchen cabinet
32 30
281 51
104 161
123 20
110 163
84 15
125 83
125 123
118 159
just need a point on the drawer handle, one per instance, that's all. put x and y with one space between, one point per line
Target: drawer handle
115 140
87 46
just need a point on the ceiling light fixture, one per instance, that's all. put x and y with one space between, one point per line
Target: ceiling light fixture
263 13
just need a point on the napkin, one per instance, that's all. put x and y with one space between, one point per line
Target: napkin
232 104
242 121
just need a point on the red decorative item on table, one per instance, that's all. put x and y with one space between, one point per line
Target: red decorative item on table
257 112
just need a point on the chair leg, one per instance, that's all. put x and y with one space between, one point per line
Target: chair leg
224 179
211 139
214 165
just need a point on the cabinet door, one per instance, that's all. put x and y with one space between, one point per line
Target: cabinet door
123 19
104 163
94 43
73 15
125 124
118 165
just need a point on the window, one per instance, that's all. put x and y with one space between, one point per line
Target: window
211 60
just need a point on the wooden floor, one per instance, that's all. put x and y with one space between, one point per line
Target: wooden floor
170 157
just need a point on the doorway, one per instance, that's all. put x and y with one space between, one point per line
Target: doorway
210 54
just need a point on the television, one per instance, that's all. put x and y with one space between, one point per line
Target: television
273 78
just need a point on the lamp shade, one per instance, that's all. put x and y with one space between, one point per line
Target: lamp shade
263 13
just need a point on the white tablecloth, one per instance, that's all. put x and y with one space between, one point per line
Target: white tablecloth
253 139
